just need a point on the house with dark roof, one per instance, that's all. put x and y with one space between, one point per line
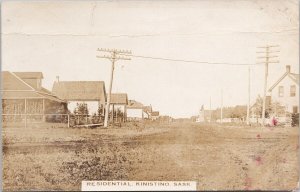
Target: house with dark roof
22 93
285 91
91 93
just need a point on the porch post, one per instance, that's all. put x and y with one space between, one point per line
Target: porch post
113 112
125 113
117 116
44 117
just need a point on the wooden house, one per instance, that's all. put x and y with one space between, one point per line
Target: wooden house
204 115
147 111
22 93
92 93
118 103
135 111
285 91
154 115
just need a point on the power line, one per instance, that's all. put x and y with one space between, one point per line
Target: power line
190 61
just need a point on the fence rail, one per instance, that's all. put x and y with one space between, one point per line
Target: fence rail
69 119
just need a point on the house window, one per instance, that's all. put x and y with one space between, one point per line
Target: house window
295 109
280 91
293 91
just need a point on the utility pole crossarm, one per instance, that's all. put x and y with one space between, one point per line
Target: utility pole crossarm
263 57
266 62
268 46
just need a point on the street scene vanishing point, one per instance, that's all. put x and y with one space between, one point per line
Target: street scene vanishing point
140 95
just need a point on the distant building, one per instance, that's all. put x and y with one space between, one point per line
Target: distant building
147 111
135 111
118 103
285 91
91 93
204 115
154 115
256 108
22 93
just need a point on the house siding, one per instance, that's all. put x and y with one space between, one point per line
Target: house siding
134 113
286 100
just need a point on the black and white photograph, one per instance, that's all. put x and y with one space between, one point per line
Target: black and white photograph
128 95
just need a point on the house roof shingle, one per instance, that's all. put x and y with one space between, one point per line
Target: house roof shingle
155 113
119 98
30 75
80 90
10 81
132 104
13 87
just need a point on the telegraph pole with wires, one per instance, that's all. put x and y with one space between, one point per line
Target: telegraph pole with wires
114 55
267 59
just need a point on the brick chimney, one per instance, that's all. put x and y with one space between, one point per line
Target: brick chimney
288 68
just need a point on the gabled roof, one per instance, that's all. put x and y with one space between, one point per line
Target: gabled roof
13 87
132 104
10 81
292 76
80 90
148 109
30 75
119 98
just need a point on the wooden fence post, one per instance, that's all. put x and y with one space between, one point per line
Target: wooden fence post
68 120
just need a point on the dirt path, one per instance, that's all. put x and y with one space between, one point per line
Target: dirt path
218 158
224 159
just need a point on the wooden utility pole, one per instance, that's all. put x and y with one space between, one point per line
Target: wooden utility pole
266 61
114 56
248 106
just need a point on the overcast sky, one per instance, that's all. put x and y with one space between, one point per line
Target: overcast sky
61 38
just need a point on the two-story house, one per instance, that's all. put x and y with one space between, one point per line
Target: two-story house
285 91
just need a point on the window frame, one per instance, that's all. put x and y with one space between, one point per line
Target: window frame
293 87
281 91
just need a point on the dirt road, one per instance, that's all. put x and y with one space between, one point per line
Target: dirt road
217 157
